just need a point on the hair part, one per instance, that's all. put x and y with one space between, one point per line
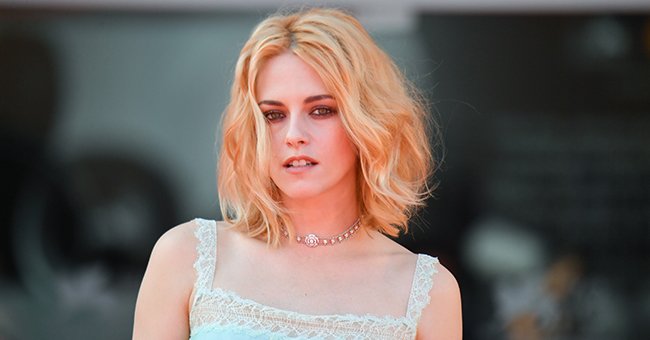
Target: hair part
383 115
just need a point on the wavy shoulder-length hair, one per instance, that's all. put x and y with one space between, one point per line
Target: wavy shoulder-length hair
383 115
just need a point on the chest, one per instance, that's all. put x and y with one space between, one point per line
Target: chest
379 285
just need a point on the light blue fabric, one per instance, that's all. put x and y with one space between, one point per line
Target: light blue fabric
214 333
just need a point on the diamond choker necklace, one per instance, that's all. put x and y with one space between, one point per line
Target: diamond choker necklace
313 241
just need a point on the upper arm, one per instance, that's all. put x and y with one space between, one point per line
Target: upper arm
162 310
442 317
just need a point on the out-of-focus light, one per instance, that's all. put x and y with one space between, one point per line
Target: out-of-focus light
497 248
600 40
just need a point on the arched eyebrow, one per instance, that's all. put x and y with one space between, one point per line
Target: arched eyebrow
317 98
270 102
307 100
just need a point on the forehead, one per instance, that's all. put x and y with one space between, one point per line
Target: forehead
287 75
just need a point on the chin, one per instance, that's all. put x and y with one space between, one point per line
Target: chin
299 193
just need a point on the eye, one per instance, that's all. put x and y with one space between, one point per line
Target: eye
322 111
273 115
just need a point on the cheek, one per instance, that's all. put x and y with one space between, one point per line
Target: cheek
344 144
276 143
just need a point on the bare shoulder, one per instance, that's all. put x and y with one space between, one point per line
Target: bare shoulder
442 317
178 240
167 285
175 250
444 283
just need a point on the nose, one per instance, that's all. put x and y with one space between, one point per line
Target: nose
297 134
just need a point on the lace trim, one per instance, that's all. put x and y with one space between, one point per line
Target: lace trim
206 234
220 309
422 283
216 309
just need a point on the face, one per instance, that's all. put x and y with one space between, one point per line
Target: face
311 154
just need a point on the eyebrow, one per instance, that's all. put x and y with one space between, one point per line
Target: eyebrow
307 100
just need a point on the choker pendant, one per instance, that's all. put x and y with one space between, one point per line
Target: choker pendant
312 240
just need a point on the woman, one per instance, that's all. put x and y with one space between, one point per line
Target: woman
324 153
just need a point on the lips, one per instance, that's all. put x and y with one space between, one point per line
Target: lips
299 161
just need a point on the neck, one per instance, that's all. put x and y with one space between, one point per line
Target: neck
326 215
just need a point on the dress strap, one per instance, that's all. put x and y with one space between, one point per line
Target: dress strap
206 249
425 268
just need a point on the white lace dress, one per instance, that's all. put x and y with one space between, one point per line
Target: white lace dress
221 314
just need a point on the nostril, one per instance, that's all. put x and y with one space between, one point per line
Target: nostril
294 141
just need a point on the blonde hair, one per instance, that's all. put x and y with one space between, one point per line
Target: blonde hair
384 118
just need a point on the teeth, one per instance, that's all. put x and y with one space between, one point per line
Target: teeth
300 162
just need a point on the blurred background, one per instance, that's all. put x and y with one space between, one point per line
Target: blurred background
109 114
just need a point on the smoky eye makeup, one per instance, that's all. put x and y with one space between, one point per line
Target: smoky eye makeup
322 111
322 107
273 115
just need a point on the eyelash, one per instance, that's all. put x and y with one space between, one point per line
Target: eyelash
329 111
268 115
274 115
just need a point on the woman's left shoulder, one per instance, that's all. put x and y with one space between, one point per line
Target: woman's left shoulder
442 317
444 282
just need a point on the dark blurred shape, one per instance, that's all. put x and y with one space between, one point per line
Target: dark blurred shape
28 106
122 207
546 120
99 210
645 38
74 236
28 86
